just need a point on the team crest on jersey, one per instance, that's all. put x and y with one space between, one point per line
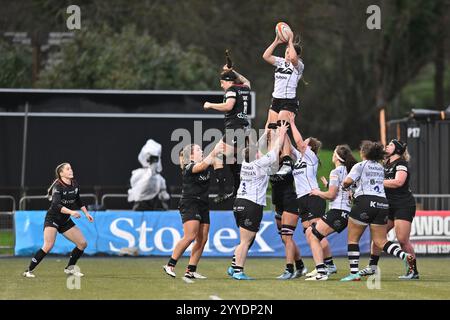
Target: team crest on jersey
300 165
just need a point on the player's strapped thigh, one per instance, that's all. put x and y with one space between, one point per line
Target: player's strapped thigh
316 232
287 230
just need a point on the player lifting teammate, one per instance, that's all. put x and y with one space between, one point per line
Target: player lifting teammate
311 208
284 200
251 199
370 208
64 194
236 101
402 206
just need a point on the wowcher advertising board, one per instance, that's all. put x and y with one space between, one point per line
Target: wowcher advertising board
154 233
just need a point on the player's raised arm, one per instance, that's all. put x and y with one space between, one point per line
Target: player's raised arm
268 54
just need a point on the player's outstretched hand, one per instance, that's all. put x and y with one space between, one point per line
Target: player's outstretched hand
75 214
283 127
225 68
315 192
206 105
89 217
324 181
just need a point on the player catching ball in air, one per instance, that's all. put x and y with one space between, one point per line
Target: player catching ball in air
194 208
237 99
370 208
288 72
64 194
335 220
402 206
251 199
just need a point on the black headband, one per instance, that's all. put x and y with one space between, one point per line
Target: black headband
228 76
400 147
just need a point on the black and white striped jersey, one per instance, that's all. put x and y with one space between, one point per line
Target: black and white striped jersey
287 77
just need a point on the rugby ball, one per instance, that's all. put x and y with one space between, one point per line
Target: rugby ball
283 31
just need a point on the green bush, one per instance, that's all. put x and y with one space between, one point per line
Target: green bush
127 60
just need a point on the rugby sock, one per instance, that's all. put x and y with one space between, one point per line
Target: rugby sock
233 261
395 250
290 267
37 259
74 256
416 271
220 179
353 258
321 268
172 262
238 269
329 261
373 262
299 265
191 268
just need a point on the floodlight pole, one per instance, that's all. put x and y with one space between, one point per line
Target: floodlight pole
24 148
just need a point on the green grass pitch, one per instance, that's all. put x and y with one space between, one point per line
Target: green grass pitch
143 278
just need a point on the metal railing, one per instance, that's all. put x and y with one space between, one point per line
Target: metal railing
433 201
174 196
13 200
23 200
7 222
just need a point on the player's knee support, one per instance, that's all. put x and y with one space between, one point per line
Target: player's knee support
316 233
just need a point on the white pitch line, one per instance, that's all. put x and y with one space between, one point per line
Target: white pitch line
187 280
215 298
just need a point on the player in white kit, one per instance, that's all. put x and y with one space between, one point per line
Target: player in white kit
311 208
335 220
370 208
251 199
288 72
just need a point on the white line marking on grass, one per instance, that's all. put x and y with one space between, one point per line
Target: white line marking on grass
187 280
215 298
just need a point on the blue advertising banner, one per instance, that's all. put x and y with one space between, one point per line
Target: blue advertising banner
154 233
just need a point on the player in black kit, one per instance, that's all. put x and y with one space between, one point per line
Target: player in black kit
194 208
237 99
65 197
284 199
402 206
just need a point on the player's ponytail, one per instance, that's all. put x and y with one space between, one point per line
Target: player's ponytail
406 156
185 155
58 171
345 156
